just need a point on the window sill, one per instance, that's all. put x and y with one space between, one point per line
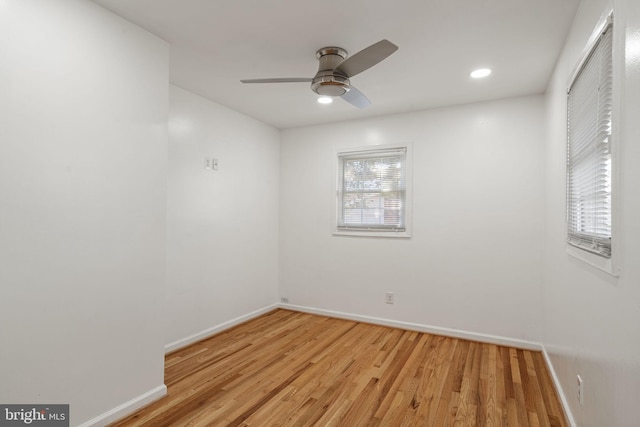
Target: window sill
607 265
363 233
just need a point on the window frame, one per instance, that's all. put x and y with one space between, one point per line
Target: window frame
610 265
340 230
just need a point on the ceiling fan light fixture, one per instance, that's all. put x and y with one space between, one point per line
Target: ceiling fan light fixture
480 73
328 83
328 89
325 100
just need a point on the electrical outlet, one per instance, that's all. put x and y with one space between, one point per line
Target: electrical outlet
214 164
580 384
208 163
284 300
389 298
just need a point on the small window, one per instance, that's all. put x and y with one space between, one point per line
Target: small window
372 191
589 163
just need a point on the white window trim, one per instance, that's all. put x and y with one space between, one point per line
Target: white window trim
613 264
408 193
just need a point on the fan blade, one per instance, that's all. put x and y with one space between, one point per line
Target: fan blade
366 58
284 80
356 98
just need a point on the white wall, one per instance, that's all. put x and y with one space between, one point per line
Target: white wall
222 228
591 318
474 260
83 152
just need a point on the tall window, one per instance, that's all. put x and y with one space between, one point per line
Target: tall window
589 150
372 190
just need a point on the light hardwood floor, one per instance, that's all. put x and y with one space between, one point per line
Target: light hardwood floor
298 369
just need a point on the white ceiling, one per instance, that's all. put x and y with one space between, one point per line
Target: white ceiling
216 43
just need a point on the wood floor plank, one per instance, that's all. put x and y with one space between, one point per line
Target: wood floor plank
288 368
548 392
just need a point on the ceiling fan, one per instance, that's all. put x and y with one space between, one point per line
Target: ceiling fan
335 70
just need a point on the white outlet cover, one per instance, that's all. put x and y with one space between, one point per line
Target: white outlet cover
580 390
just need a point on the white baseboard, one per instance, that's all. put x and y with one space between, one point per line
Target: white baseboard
436 330
160 391
556 382
217 328
127 407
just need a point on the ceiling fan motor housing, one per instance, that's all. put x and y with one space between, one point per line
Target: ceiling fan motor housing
327 81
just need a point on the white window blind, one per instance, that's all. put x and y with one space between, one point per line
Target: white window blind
372 190
589 110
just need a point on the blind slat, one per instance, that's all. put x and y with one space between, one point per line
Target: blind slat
589 110
371 193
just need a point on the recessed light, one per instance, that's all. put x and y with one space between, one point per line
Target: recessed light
480 73
325 100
